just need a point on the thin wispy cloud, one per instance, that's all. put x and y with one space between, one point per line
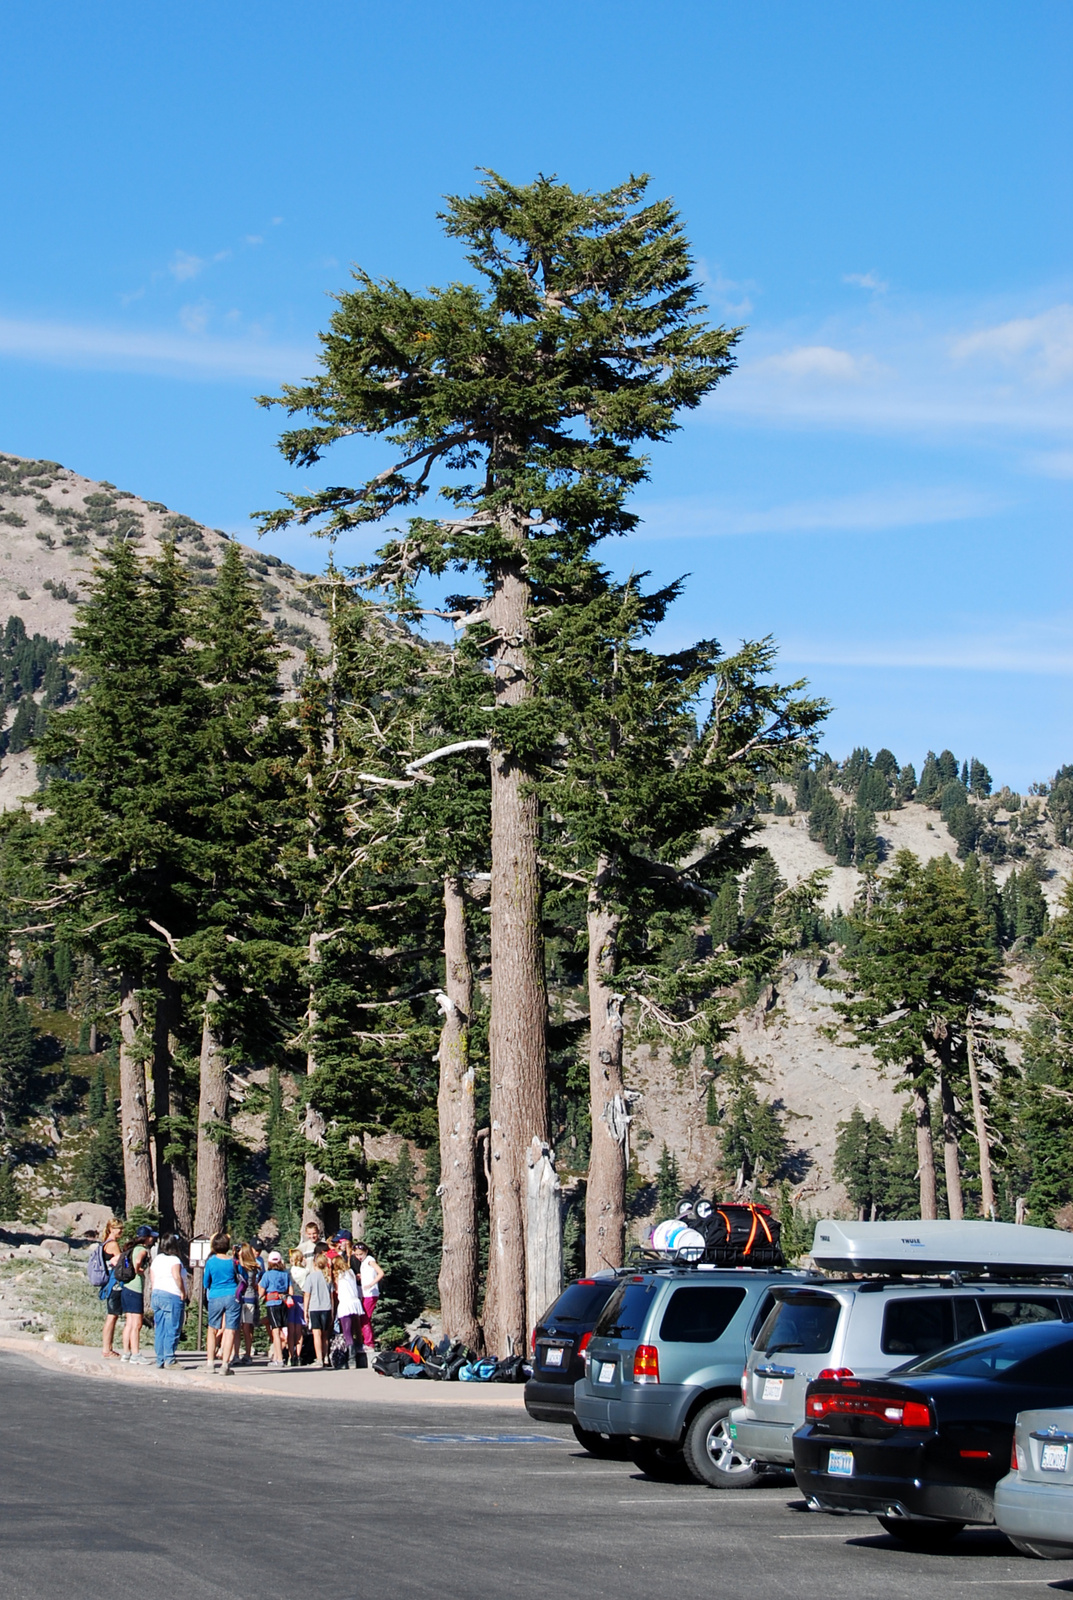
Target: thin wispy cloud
866 280
874 511
121 350
1044 647
184 266
934 371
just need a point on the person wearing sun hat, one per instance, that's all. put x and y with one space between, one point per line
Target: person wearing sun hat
275 1287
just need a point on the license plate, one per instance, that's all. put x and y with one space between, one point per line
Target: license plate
1053 1457
606 1373
772 1389
553 1357
840 1463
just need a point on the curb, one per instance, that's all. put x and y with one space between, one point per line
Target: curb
363 1387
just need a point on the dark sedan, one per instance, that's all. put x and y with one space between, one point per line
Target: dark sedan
559 1341
923 1448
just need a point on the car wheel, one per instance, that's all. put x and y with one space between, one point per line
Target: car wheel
1025 1549
608 1446
664 1462
712 1456
920 1533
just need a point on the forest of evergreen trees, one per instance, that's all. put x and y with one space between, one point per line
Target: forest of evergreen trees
431 889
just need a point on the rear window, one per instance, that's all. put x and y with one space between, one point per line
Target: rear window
699 1314
1012 1313
1024 1354
919 1326
580 1303
804 1322
624 1315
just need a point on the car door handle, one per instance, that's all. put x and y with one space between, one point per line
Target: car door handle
775 1372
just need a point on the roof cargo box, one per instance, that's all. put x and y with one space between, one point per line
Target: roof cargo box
1003 1249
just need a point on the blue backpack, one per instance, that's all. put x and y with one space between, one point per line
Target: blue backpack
482 1371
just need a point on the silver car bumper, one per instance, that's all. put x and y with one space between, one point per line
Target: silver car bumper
763 1441
1039 1514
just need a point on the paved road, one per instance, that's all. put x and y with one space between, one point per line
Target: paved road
116 1493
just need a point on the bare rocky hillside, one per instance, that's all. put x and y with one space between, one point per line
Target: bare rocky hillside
815 1081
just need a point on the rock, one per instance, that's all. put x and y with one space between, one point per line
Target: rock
55 1247
80 1218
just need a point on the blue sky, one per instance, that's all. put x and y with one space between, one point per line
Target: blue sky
881 194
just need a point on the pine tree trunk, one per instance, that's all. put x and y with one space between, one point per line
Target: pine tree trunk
954 1203
134 1108
925 1155
516 1036
987 1185
173 1174
605 1196
544 1220
458 1130
211 1128
313 1122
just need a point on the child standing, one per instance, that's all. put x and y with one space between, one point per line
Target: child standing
318 1305
348 1307
275 1287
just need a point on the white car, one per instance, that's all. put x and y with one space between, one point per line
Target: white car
1034 1502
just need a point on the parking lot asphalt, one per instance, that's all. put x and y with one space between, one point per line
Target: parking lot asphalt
109 1492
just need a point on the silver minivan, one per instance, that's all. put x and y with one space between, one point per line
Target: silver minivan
864 1329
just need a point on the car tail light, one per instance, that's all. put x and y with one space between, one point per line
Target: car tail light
975 1455
588 1282
835 1374
586 1340
646 1364
532 1343
745 1387
901 1413
1015 1465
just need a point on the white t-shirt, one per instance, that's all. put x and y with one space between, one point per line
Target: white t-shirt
348 1304
161 1276
370 1288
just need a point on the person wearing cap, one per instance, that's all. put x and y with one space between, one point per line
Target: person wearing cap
132 1298
275 1288
343 1242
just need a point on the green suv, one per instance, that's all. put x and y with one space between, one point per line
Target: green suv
664 1367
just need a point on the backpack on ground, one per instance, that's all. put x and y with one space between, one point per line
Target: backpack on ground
416 1369
448 1353
123 1271
97 1270
307 1354
389 1363
482 1371
339 1354
512 1369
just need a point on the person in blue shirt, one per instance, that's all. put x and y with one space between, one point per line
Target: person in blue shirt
275 1287
225 1308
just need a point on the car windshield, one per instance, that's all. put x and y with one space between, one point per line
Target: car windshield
803 1322
1014 1354
580 1303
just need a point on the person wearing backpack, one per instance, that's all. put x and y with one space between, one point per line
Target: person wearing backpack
110 1252
129 1274
225 1309
251 1271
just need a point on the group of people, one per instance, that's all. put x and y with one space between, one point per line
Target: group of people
321 1285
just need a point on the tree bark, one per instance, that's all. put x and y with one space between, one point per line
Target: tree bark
925 1155
954 1202
134 1108
173 1173
544 1261
516 1036
605 1196
458 1130
313 1123
987 1185
211 1127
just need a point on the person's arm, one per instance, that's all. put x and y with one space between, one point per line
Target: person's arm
379 1271
177 1276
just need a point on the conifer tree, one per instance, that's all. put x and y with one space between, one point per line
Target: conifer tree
931 781
1038 1107
860 1165
979 780
668 1185
923 969
123 766
906 788
582 337
16 1063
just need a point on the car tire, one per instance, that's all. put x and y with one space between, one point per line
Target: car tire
711 1454
663 1462
1025 1549
921 1533
608 1446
